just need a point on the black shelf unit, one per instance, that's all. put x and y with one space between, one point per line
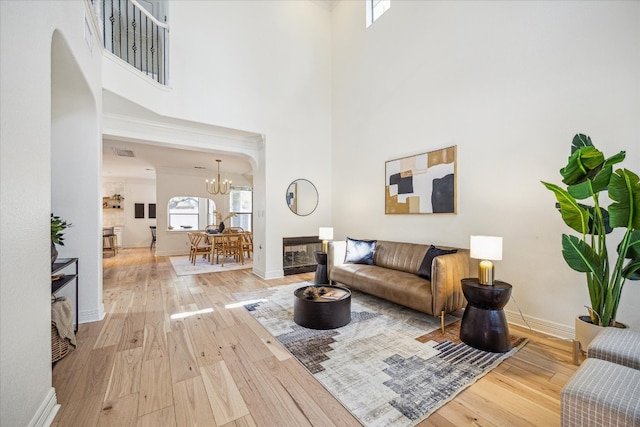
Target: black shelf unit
63 281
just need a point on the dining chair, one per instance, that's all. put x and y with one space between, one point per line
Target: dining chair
109 240
199 245
153 237
247 243
215 245
231 248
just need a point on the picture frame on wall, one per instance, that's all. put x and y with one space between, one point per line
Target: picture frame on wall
138 210
425 183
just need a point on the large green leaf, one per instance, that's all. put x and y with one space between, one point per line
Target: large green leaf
581 257
597 180
624 190
615 159
631 271
580 164
633 247
580 140
572 213
605 219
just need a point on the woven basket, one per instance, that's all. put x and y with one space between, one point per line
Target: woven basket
59 347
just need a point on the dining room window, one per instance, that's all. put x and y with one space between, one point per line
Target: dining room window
241 203
190 212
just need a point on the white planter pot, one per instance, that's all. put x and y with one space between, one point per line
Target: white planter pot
587 331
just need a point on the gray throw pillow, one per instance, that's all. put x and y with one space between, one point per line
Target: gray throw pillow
360 251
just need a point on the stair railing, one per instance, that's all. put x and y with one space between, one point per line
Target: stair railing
136 36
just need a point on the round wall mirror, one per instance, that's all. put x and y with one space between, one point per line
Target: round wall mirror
302 197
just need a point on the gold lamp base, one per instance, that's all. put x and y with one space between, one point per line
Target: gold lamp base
485 273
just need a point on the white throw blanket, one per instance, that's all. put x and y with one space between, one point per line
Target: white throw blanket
62 318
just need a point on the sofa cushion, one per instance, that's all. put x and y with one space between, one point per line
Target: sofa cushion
425 268
360 251
399 256
397 286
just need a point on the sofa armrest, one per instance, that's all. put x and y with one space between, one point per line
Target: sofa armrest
447 273
335 255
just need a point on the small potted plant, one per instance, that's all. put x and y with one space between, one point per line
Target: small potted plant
58 225
118 198
588 175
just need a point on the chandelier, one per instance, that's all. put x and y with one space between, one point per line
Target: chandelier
218 187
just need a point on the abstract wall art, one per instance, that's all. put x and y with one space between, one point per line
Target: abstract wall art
421 184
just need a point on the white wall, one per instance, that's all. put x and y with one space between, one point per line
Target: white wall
75 134
113 217
509 83
136 230
26 142
262 67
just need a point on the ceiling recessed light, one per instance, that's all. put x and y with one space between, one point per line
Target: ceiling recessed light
199 167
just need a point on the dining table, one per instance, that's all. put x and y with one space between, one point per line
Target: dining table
215 239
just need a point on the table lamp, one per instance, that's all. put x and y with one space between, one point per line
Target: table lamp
325 234
487 249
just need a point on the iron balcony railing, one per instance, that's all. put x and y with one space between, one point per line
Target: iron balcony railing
137 37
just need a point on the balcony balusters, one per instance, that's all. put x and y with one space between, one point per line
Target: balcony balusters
135 36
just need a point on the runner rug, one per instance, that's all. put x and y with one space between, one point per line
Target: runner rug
391 366
183 267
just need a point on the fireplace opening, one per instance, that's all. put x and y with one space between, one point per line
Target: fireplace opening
298 254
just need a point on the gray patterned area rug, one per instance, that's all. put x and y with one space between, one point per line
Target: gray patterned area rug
391 366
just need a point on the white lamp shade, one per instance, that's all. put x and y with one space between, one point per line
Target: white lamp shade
486 247
325 233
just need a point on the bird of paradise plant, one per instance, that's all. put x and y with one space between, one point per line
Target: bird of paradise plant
588 175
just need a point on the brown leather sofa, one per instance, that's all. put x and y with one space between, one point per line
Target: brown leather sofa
394 276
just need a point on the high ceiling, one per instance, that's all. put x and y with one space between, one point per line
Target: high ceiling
151 156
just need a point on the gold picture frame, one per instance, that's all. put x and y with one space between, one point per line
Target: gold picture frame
422 184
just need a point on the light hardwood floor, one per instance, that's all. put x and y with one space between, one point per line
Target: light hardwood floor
141 367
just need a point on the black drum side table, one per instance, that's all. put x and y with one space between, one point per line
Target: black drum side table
484 325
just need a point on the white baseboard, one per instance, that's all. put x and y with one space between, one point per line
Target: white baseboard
258 272
47 410
276 274
540 325
88 316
